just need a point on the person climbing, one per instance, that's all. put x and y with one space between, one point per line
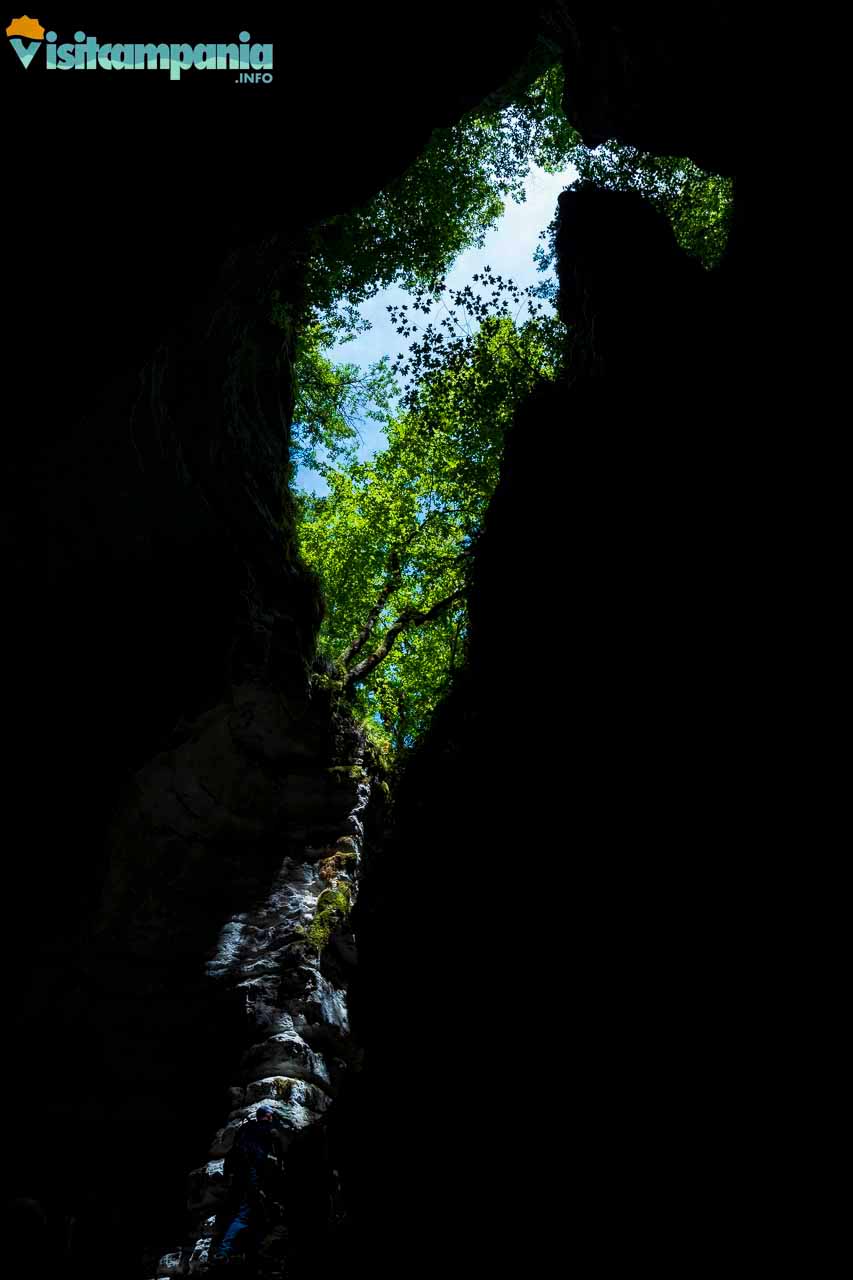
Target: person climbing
253 1166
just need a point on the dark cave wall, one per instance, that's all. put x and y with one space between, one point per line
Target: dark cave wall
669 79
149 396
578 1067
155 594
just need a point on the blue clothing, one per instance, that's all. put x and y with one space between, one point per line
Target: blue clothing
249 1163
241 1222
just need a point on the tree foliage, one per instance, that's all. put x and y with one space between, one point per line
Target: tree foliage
697 204
447 200
331 399
393 537
392 540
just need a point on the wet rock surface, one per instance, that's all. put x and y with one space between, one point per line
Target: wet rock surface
289 1021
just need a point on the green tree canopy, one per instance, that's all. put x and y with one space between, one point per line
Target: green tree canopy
392 539
447 200
697 204
330 401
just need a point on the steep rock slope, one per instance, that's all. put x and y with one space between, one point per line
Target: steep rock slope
572 1071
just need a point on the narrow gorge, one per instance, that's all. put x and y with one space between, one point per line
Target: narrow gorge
499 996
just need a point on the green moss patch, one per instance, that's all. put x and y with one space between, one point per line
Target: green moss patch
333 907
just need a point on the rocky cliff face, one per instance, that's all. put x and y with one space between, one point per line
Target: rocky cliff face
214 974
283 956
589 796
585 817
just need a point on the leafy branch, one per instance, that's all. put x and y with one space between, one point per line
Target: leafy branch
410 617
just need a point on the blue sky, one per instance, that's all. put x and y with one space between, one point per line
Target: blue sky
508 250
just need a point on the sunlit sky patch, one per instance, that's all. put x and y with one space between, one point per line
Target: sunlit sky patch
508 250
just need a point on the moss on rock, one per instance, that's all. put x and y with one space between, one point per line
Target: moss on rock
333 907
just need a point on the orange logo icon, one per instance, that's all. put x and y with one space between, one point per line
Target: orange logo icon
29 28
